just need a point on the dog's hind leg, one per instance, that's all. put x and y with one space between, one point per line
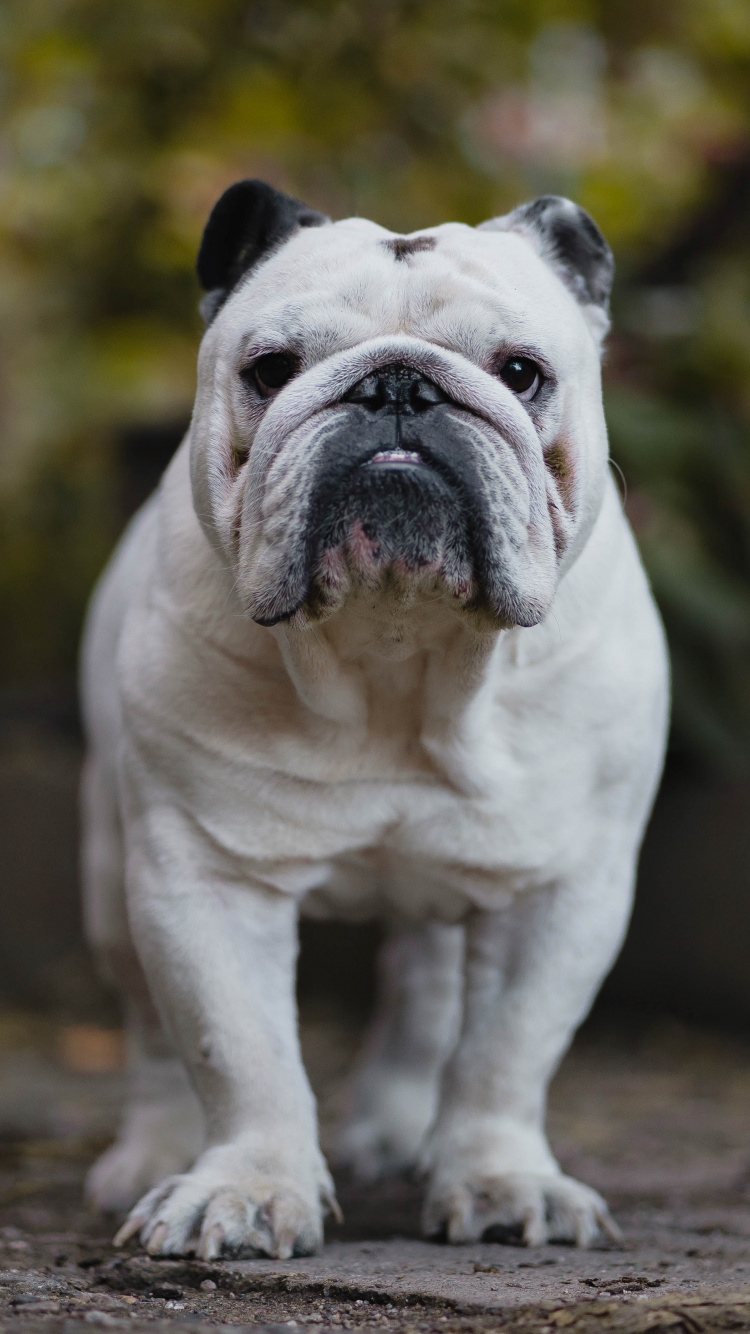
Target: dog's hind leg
394 1093
161 1130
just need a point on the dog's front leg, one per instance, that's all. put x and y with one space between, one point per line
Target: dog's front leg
220 957
531 973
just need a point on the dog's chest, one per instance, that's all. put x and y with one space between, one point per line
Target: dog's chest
356 831
418 849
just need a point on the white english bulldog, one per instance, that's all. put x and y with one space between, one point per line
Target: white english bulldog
381 644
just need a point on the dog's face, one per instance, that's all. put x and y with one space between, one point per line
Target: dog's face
422 412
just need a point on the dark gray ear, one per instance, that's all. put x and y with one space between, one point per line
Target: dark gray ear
569 240
249 220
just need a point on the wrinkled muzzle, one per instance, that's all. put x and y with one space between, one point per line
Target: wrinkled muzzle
422 471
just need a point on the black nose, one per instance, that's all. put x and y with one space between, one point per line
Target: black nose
396 389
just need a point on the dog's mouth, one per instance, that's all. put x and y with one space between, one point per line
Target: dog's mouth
395 514
395 458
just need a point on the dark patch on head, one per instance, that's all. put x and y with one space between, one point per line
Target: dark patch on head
249 221
238 458
403 246
570 240
559 464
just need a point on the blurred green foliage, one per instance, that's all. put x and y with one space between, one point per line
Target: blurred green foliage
122 123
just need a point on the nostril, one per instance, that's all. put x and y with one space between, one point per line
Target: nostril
423 394
370 393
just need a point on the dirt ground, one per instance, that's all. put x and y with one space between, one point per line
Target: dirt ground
654 1114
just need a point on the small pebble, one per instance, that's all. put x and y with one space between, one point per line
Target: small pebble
208 1285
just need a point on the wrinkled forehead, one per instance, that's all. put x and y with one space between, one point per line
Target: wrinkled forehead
331 287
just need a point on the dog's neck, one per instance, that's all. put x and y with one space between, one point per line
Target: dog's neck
384 635
380 663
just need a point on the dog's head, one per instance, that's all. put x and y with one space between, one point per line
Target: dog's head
417 411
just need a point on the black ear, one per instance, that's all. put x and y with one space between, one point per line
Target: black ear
250 219
569 240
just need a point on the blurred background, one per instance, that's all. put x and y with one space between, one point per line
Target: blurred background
121 125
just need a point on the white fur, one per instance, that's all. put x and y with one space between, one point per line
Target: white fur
483 788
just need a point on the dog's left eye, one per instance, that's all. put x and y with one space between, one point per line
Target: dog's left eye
271 372
522 375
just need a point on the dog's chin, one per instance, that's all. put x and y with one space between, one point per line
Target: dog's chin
398 527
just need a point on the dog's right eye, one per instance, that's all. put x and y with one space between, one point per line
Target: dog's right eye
522 376
271 372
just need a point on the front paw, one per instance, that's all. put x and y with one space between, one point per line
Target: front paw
535 1206
229 1204
490 1172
